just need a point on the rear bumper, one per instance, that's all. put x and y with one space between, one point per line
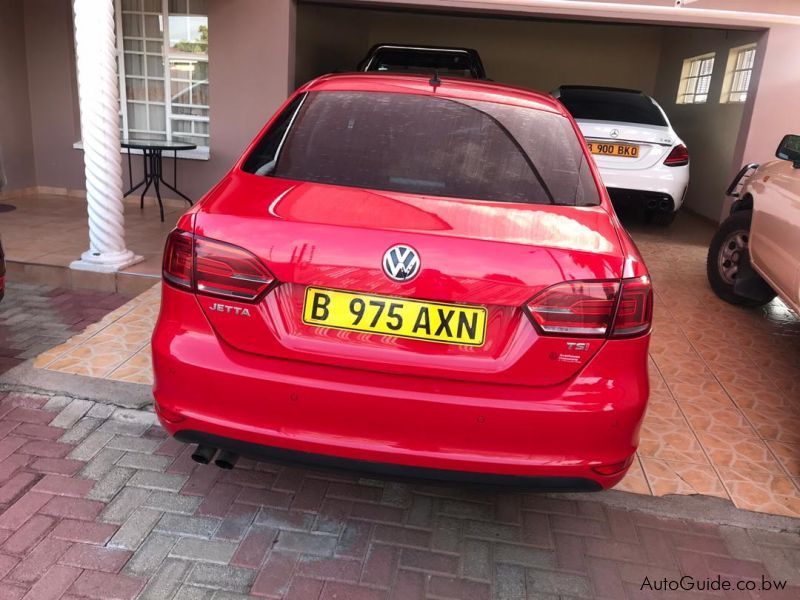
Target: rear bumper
390 470
556 436
659 181
636 199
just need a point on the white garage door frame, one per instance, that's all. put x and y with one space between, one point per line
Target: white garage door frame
624 12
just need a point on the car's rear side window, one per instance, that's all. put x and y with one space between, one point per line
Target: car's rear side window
610 105
429 145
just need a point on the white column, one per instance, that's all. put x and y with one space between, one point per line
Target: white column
96 52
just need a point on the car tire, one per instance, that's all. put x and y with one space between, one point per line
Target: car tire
663 219
728 251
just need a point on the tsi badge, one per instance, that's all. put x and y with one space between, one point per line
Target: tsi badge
578 346
573 354
231 310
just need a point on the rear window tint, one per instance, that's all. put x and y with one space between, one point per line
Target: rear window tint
608 105
429 145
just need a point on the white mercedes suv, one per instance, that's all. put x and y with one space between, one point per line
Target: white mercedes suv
642 160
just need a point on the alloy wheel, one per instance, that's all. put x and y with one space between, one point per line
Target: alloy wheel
731 253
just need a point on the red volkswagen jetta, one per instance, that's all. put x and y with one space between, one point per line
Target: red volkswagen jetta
409 276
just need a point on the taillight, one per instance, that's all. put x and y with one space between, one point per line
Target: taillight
679 156
579 308
177 265
635 311
214 268
222 269
594 308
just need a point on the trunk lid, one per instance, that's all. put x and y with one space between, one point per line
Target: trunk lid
495 255
654 142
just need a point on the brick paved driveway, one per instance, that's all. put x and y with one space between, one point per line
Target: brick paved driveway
96 502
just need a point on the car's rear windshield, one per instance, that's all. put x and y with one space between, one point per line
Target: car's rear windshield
610 105
427 145
446 62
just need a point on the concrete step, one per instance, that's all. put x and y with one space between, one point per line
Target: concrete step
61 276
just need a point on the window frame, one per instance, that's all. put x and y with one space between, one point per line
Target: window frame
731 72
202 151
690 81
568 95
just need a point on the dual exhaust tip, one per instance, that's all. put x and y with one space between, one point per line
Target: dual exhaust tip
662 205
205 454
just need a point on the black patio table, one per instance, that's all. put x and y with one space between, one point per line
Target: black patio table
152 154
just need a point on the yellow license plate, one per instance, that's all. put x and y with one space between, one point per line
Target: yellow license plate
401 317
622 150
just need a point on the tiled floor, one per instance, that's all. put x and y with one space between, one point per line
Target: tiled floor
34 318
116 347
725 403
53 230
725 399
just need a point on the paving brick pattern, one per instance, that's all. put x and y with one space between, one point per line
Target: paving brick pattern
97 502
34 318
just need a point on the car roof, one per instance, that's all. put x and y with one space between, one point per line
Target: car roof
420 47
449 87
598 88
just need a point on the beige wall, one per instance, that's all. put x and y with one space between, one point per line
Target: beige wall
542 54
250 70
55 125
530 53
774 111
710 130
16 143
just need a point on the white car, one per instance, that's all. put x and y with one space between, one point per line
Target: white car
642 160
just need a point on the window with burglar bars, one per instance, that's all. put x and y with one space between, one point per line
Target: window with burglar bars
695 79
163 70
738 73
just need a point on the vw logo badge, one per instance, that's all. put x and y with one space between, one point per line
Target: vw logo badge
401 263
614 133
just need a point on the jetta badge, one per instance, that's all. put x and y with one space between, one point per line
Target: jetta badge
229 309
401 263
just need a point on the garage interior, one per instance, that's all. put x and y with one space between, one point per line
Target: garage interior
724 382
542 54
